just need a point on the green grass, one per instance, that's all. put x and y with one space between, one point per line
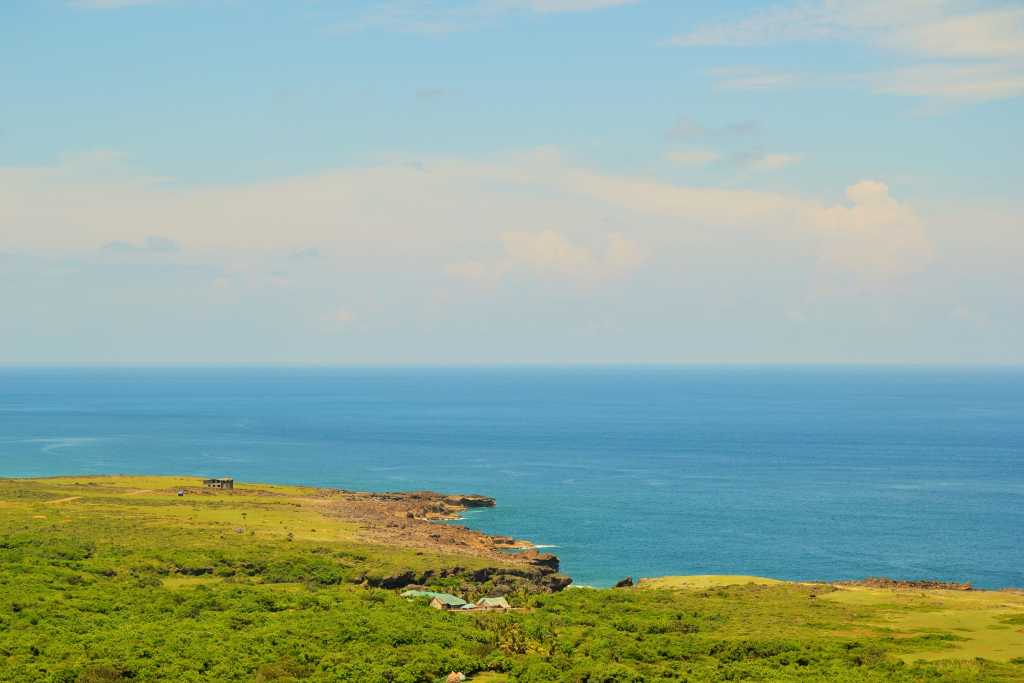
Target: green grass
701 582
981 623
124 580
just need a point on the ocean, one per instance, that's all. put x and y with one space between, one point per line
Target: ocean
789 472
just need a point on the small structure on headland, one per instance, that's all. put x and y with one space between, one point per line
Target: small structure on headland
446 601
219 483
437 600
492 603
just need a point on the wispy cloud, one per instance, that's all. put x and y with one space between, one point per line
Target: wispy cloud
987 34
818 20
154 244
692 157
956 81
112 4
734 145
381 214
773 162
752 78
448 16
952 81
687 129
982 46
552 254
421 16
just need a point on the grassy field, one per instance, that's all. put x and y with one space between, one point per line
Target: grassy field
111 579
705 581
988 624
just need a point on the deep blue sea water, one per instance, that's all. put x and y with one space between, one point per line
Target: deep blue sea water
799 473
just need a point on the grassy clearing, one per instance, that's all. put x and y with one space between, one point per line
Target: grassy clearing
702 582
125 580
983 623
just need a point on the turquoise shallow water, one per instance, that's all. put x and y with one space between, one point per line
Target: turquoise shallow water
801 473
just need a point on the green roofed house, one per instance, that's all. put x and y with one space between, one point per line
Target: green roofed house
445 601
437 600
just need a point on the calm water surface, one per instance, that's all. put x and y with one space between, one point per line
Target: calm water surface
795 473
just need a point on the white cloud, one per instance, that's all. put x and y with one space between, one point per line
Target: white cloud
447 214
991 34
960 32
693 157
877 236
773 162
681 271
754 78
816 20
551 254
623 254
687 129
775 25
949 81
341 317
548 251
474 271
447 16
966 82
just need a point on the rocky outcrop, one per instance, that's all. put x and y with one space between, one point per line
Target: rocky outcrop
544 560
625 583
395 580
471 501
411 520
509 543
556 583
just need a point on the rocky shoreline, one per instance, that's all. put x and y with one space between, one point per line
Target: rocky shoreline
414 520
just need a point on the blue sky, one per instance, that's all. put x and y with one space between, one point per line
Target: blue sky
481 181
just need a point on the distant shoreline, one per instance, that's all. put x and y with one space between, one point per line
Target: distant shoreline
434 507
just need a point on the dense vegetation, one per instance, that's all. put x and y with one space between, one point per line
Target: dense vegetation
112 587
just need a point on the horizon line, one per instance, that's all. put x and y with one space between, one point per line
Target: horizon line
171 365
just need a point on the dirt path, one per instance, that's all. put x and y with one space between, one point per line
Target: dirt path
135 493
